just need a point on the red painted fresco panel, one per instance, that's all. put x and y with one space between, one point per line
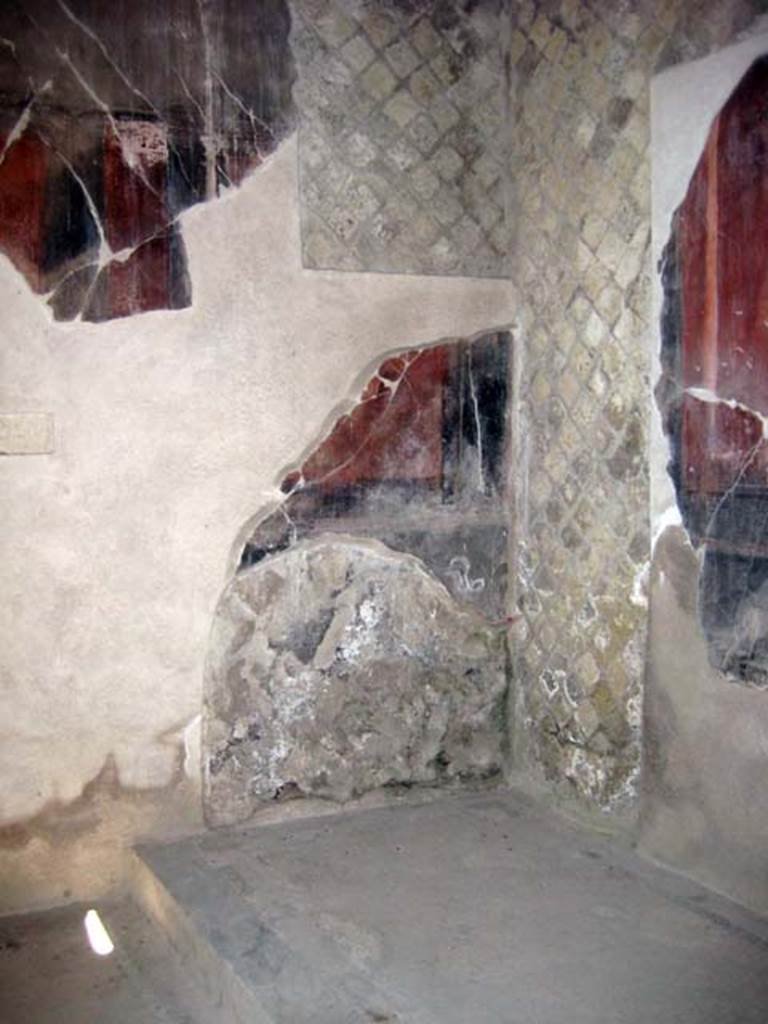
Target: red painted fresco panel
723 446
393 433
723 260
135 166
23 172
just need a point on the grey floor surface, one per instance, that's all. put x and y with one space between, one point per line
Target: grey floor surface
477 909
49 974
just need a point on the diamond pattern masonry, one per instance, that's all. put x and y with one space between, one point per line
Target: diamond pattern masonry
580 74
402 141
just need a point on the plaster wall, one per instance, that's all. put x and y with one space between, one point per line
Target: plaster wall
704 806
171 429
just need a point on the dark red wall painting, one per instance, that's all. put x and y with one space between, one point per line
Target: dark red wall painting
714 389
394 432
114 119
23 173
419 463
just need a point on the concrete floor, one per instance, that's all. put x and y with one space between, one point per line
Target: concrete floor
49 974
478 909
472 909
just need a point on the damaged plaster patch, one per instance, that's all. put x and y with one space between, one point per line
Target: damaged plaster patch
669 517
705 806
191 736
401 685
75 849
418 461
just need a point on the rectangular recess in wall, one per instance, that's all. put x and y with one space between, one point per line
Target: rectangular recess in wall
26 433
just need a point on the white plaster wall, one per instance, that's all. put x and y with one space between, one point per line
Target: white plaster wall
171 430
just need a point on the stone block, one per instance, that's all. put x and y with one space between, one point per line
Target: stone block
341 666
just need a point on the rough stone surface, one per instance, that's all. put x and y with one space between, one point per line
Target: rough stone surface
338 667
581 167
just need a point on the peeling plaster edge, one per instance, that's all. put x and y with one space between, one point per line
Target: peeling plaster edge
679 133
181 744
192 739
639 594
225 194
669 517
274 498
709 397
373 547
354 390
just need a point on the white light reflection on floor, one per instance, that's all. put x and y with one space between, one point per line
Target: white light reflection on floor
98 936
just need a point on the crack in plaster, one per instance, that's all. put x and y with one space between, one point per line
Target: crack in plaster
21 125
709 397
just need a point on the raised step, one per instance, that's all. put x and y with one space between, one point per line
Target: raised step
472 909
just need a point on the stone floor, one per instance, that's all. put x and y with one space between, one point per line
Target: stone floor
473 909
49 974
479 909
